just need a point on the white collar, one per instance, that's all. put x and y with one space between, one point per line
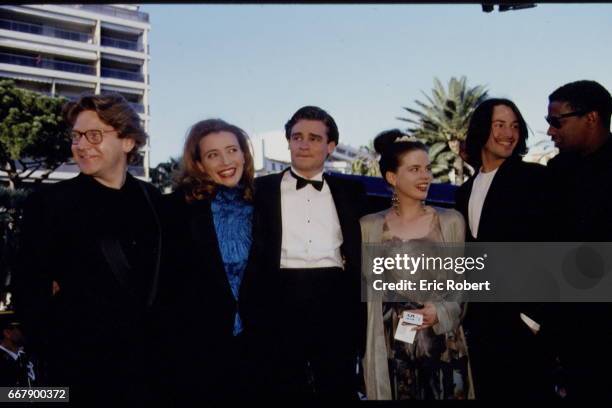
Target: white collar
12 353
316 177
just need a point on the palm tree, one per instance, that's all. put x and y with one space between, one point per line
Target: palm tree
442 122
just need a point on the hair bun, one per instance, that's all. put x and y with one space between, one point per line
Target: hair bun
386 139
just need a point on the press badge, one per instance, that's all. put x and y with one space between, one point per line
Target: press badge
406 327
413 318
405 332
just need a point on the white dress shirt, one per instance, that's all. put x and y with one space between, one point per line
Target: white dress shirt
311 236
480 188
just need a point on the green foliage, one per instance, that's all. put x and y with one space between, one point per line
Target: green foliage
442 122
11 204
366 164
162 175
33 135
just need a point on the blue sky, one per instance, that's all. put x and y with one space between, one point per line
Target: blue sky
254 65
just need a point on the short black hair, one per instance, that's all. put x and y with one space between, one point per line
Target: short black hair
314 113
479 130
586 96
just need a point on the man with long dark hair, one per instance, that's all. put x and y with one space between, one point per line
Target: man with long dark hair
503 202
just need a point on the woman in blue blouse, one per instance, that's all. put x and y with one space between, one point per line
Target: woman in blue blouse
207 241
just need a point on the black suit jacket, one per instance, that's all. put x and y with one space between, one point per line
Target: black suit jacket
514 209
581 194
102 308
261 289
196 345
195 288
349 199
12 374
501 345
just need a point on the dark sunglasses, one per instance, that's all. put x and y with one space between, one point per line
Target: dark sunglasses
555 121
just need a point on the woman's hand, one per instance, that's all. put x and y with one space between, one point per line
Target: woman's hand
430 315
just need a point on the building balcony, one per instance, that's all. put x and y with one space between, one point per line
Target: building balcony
122 74
46 30
112 11
45 63
123 44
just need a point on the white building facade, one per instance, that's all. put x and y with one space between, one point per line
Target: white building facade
66 50
271 154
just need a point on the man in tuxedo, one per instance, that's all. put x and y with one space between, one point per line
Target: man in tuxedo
308 246
90 256
503 202
579 118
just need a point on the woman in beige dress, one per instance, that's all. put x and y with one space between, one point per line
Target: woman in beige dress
435 365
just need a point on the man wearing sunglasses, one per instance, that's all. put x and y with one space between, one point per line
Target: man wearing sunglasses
579 118
90 258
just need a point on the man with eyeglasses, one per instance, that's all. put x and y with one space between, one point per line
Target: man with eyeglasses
581 201
90 258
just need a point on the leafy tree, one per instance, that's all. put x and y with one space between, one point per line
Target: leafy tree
442 123
366 163
162 174
11 204
33 135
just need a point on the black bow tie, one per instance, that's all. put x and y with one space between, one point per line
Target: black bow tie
302 182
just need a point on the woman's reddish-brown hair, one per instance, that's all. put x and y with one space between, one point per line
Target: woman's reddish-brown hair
197 184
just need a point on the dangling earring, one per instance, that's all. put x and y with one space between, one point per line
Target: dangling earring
395 202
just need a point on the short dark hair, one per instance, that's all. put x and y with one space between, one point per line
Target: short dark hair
114 110
314 113
392 150
479 130
586 96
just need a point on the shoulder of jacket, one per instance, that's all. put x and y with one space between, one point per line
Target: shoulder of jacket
268 179
60 191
